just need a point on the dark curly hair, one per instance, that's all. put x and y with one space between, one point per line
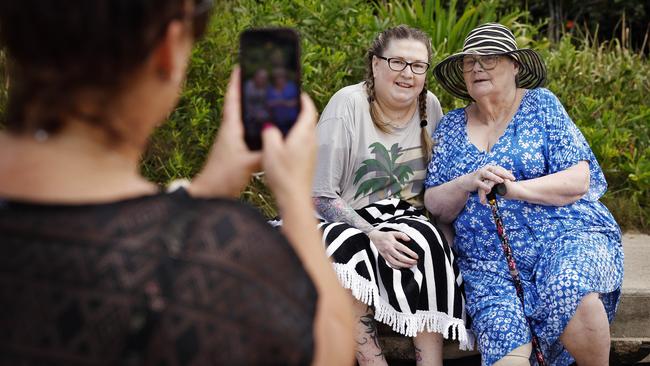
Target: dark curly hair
58 50
379 45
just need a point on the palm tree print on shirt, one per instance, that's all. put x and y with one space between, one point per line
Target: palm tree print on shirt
388 174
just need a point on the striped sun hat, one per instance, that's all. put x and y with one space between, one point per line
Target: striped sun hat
490 39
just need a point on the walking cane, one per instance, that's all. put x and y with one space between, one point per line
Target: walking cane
500 189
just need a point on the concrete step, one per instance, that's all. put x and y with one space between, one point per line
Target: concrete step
630 331
631 328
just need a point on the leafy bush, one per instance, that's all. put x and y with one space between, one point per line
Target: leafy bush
334 39
604 87
442 22
448 28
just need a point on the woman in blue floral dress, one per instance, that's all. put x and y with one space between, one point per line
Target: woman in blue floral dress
566 243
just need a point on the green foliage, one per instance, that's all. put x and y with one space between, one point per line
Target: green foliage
449 22
626 20
446 27
334 39
604 87
335 36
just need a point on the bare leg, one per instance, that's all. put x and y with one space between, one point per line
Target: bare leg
517 357
368 348
428 349
586 337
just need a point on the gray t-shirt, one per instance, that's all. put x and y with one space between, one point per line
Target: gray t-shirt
361 164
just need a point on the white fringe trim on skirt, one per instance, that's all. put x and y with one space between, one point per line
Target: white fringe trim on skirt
406 324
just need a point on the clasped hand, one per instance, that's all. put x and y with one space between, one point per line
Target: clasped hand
395 253
483 179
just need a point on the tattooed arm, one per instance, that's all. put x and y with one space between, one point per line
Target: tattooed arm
337 210
395 253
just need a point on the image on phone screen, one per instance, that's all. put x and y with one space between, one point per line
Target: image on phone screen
270 81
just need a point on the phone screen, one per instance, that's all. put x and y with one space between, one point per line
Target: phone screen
270 81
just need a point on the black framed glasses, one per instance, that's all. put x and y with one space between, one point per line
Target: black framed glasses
398 64
487 62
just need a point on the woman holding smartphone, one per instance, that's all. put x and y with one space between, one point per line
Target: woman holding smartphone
98 267
373 146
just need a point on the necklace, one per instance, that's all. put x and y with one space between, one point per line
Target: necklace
391 124
406 117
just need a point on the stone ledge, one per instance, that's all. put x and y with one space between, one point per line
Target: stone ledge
633 316
624 351
628 351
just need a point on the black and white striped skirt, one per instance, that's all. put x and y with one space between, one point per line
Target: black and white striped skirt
428 296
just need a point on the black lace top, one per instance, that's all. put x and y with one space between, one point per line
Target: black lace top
157 280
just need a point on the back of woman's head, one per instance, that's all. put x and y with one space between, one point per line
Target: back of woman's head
60 49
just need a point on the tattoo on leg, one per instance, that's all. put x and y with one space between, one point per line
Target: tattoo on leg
418 355
371 330
361 357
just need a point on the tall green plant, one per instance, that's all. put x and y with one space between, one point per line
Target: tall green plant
446 26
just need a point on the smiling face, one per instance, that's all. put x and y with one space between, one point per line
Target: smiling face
481 83
399 89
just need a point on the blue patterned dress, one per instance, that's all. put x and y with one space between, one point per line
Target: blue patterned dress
562 253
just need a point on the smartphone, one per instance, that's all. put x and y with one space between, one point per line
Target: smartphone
270 81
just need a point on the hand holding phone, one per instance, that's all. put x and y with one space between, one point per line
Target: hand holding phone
289 161
230 163
270 81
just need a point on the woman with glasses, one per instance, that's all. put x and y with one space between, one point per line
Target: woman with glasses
565 243
373 146
97 265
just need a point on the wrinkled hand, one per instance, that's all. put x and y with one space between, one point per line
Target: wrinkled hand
289 163
395 253
483 179
230 164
